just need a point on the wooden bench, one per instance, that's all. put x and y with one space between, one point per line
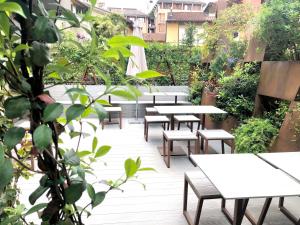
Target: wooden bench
150 111
187 119
111 110
155 119
222 135
174 135
202 188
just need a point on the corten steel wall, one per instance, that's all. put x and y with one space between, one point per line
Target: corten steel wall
209 98
281 80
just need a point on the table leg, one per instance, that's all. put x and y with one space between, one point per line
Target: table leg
153 99
175 99
202 128
172 128
240 206
109 99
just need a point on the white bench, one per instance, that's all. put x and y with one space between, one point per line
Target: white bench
155 119
111 110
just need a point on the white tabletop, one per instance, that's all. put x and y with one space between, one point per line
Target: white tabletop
240 176
288 162
190 109
154 93
166 93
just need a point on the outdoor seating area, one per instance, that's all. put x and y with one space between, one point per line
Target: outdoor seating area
142 112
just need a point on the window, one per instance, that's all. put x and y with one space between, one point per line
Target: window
187 7
197 7
161 17
167 5
177 6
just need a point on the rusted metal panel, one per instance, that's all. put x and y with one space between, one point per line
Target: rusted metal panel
280 80
288 139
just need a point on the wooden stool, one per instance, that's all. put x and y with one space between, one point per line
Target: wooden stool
150 111
221 135
111 110
173 135
202 188
187 119
155 119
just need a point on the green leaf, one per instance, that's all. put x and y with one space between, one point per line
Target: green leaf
12 7
130 168
93 126
37 194
70 17
54 75
87 111
148 74
146 169
74 111
103 102
42 137
16 107
40 54
83 153
115 53
124 94
99 198
4 24
100 111
95 143
79 91
13 136
6 173
74 192
52 112
21 47
91 191
71 158
36 208
45 30
119 41
103 150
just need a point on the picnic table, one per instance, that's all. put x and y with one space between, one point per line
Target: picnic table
288 162
188 110
175 94
241 177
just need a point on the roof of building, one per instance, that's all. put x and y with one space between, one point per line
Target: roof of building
189 17
155 37
128 12
88 5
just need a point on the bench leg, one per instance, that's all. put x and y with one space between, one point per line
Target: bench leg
199 125
102 124
198 211
168 123
185 194
206 147
178 127
169 143
120 116
192 124
232 146
223 146
109 117
147 131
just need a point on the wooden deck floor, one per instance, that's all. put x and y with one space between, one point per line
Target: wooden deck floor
161 202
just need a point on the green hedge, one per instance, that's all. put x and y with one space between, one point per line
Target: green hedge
172 60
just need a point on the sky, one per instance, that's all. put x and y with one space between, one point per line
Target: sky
138 4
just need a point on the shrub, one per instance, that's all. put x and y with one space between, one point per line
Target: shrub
254 136
195 92
276 116
279 28
237 92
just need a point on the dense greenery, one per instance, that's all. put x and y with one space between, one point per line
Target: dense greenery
254 136
27 32
279 27
175 62
237 92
